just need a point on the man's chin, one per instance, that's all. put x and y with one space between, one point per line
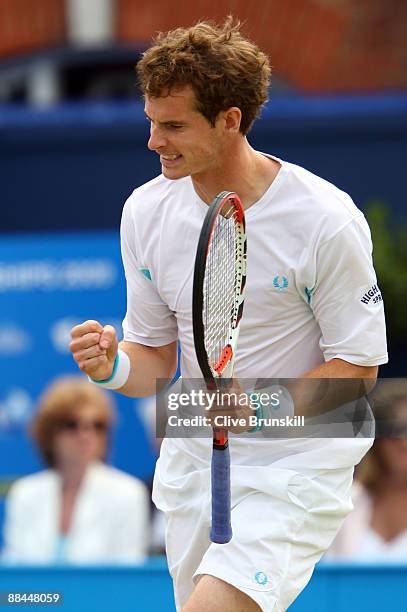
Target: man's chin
173 174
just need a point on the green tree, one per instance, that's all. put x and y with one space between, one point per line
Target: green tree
390 260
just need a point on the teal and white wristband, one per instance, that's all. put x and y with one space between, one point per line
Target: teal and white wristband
120 373
266 412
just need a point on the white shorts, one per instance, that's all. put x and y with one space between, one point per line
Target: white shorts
283 520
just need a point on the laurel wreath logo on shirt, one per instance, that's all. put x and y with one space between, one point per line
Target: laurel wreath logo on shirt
280 282
261 578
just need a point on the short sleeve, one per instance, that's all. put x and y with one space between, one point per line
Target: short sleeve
148 319
346 299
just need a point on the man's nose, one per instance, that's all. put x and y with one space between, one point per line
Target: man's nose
156 140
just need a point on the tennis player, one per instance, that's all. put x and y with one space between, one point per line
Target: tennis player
312 308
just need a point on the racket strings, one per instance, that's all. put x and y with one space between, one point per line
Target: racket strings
221 279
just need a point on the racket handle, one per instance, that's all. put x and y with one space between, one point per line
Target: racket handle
221 531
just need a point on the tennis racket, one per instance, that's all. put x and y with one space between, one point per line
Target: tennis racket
217 307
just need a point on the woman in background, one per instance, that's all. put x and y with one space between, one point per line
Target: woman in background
376 531
79 510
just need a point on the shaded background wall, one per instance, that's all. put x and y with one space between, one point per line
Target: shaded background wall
316 45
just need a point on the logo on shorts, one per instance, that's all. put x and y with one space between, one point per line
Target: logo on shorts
280 282
261 578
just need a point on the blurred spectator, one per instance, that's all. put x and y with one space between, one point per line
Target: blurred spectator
80 510
148 412
376 531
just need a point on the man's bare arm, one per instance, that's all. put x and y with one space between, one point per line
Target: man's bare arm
336 383
147 365
339 382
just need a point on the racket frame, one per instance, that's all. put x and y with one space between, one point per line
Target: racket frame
225 369
221 531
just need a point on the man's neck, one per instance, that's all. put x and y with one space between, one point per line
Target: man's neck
245 171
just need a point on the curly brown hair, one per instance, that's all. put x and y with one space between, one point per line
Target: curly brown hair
62 400
223 68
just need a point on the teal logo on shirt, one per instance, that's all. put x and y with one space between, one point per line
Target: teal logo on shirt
146 272
261 578
280 282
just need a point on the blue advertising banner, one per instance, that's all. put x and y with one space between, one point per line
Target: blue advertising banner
48 283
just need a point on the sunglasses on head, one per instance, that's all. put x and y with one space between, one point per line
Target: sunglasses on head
75 425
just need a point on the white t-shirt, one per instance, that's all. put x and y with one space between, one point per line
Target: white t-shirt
311 292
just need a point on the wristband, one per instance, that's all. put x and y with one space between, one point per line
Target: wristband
120 373
285 408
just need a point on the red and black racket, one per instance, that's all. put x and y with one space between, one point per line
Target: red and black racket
217 306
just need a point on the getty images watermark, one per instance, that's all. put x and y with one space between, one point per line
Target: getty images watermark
190 409
273 408
282 408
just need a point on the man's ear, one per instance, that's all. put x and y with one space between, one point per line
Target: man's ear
232 118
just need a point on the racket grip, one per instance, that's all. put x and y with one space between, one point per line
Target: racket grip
221 531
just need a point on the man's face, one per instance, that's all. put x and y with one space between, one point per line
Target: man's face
185 140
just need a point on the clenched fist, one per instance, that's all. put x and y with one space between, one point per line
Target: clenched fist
94 348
